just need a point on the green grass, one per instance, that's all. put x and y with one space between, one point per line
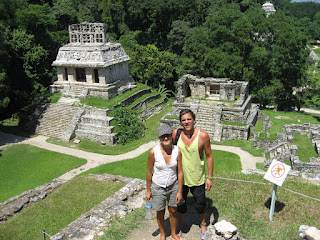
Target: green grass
109 103
245 145
223 162
60 208
317 51
245 206
121 228
24 167
262 136
151 124
288 118
259 126
305 147
55 97
11 126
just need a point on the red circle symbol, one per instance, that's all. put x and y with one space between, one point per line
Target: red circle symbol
277 170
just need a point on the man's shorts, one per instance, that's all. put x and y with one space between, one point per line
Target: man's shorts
199 196
160 196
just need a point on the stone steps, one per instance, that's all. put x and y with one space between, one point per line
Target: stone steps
96 120
76 90
205 119
95 126
105 138
55 119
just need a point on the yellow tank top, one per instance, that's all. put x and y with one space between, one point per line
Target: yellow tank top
193 166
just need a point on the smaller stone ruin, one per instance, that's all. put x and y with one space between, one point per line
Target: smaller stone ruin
215 101
282 149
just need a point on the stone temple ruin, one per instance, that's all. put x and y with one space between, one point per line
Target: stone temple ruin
215 101
90 65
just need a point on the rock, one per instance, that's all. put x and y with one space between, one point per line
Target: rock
308 233
222 230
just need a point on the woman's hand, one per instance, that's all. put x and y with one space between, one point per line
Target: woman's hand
148 195
179 197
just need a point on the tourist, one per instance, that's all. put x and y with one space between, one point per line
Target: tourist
193 144
165 184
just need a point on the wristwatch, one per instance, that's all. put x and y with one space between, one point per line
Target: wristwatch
211 178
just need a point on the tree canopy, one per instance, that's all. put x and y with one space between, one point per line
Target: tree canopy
165 39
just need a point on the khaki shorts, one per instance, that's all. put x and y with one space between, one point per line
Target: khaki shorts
160 196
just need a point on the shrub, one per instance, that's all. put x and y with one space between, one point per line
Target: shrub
129 124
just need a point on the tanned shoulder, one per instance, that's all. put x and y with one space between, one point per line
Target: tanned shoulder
204 135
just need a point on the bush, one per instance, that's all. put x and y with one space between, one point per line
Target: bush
129 124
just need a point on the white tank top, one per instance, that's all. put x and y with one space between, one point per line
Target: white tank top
164 174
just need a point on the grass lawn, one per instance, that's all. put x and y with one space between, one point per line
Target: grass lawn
60 208
281 118
223 162
247 206
151 124
245 145
24 167
305 147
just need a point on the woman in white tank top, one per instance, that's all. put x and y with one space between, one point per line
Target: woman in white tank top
166 182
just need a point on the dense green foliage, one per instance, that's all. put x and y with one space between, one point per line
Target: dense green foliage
129 123
165 39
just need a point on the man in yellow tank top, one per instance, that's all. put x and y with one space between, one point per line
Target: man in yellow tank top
193 144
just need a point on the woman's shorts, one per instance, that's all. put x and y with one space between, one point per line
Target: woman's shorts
160 196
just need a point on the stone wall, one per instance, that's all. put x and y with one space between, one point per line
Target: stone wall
281 149
14 205
146 101
148 112
91 224
135 96
230 132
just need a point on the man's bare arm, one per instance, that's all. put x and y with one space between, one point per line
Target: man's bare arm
205 139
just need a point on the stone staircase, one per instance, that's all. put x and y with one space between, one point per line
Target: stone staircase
73 90
205 119
95 126
55 119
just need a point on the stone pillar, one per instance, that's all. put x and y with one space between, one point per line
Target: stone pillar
72 75
61 74
90 75
196 89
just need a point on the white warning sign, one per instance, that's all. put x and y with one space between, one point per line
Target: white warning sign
277 172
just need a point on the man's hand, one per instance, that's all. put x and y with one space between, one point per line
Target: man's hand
208 184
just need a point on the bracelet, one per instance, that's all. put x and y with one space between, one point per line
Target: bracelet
211 178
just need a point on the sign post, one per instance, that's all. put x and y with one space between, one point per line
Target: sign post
277 173
273 201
